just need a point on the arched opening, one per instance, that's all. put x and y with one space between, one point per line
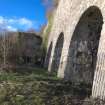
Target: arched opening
47 60
57 53
83 48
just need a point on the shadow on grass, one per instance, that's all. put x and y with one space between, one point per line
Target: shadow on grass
39 83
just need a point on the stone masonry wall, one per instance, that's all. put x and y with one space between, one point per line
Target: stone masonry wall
66 18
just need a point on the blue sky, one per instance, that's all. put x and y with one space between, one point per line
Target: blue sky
22 14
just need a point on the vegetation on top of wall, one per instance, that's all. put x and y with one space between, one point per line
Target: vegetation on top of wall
50 16
48 30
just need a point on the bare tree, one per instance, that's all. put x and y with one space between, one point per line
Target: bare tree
7 47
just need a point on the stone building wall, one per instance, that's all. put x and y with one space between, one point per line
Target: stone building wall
29 47
20 48
67 18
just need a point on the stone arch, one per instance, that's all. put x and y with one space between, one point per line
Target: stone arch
57 53
48 56
82 56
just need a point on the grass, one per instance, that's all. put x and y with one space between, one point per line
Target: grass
35 86
25 87
30 74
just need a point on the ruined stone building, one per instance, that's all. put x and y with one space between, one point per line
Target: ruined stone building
19 48
30 47
76 47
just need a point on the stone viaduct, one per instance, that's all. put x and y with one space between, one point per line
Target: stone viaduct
76 47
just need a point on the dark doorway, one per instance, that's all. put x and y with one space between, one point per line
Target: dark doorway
83 48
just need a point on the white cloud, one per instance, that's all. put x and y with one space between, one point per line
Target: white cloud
10 28
2 20
12 24
21 21
24 21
